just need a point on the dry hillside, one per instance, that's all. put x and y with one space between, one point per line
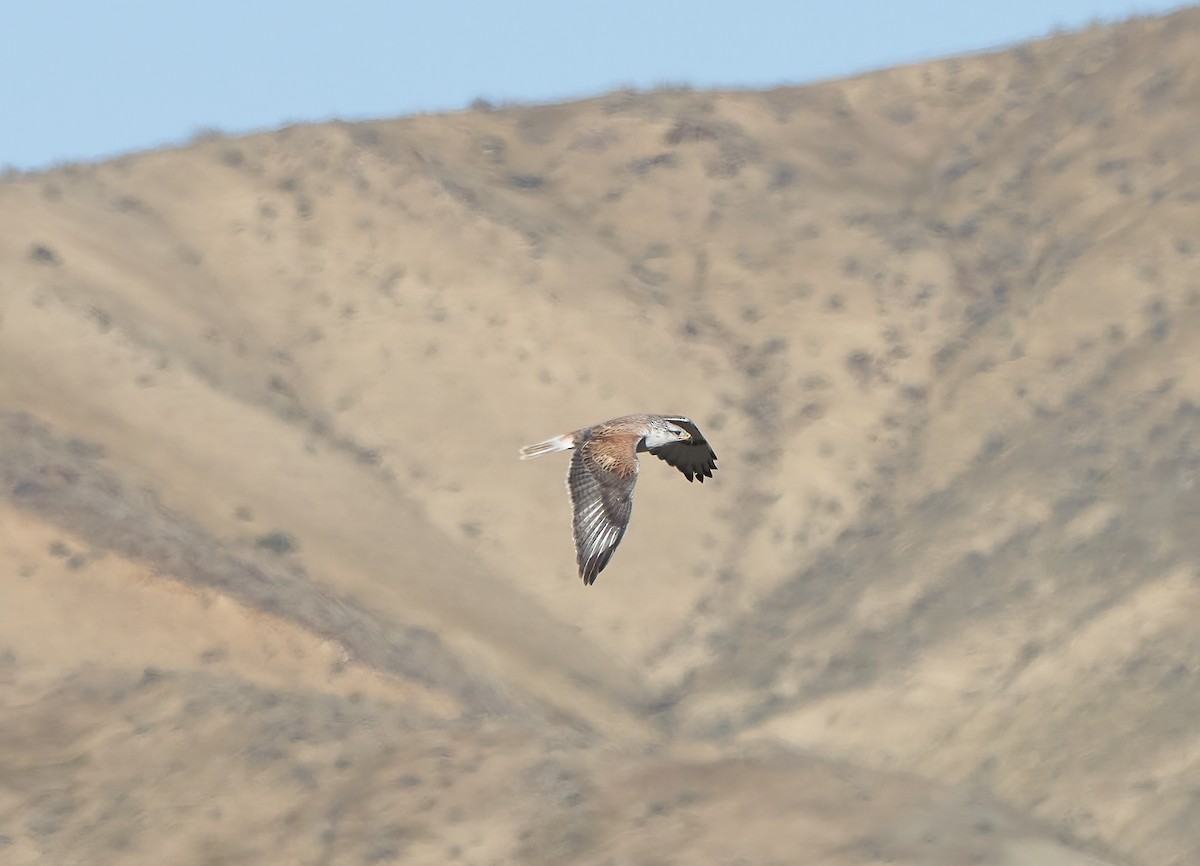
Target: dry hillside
277 589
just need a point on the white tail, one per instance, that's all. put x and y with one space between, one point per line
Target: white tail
564 442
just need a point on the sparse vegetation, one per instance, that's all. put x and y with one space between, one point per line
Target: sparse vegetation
526 181
277 541
44 255
688 132
659 160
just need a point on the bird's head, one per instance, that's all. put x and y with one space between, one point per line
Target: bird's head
662 431
665 432
678 433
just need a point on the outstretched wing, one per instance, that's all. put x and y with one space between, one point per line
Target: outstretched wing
693 457
601 484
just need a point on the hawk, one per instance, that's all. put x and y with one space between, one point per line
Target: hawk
604 469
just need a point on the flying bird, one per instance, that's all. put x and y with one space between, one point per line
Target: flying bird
604 469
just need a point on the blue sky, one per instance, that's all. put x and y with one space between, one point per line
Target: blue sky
86 80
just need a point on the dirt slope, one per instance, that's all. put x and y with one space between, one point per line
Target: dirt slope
270 556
